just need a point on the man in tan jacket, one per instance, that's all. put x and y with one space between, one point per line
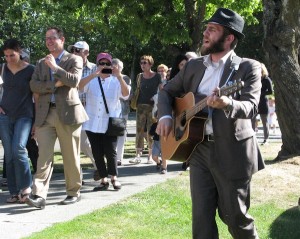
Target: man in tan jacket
59 114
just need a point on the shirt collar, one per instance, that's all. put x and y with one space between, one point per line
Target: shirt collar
208 63
60 55
89 64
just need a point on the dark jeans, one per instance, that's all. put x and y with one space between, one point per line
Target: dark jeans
104 146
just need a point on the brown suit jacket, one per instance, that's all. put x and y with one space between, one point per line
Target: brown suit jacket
236 151
68 105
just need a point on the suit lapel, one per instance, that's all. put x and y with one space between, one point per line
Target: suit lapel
64 58
200 74
226 71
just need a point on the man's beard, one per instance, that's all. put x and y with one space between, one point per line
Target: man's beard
216 47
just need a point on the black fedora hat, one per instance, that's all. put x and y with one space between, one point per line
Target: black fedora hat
229 19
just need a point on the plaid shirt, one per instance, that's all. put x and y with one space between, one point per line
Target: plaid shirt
88 69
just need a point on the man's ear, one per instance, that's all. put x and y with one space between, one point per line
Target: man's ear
230 37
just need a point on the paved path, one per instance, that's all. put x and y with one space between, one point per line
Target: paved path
18 220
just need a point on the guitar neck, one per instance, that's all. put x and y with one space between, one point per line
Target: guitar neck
196 108
227 90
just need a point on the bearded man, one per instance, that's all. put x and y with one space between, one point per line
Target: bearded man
223 162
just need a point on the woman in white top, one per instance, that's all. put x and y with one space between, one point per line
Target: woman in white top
103 145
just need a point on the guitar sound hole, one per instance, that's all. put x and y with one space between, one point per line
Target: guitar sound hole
183 121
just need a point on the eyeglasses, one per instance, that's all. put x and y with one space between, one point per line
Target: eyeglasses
104 63
77 50
51 38
144 62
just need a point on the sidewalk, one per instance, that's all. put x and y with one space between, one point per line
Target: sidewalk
20 220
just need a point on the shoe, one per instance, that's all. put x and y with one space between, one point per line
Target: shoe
163 171
158 165
36 201
70 200
13 199
116 184
102 187
264 142
4 183
96 175
119 163
150 161
136 160
23 196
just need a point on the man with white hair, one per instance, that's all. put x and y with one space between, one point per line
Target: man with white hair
81 48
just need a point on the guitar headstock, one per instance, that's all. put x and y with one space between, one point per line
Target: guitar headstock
230 89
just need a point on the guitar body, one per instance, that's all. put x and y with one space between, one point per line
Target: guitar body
188 126
185 135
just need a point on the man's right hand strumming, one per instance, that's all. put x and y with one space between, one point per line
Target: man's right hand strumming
164 127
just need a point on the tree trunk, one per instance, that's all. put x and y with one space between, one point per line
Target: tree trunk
195 12
281 42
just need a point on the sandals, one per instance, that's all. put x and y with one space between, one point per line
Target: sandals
116 184
13 199
158 165
23 197
102 187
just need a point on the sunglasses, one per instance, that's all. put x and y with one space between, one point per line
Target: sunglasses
144 62
77 50
104 63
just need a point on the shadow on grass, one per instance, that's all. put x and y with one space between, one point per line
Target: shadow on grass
286 225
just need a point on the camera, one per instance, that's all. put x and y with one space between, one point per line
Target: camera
106 71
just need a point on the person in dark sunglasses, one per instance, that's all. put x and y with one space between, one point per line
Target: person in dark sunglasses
100 107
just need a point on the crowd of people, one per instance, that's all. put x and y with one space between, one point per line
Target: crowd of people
67 98
61 99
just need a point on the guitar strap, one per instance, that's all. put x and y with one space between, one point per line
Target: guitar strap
234 66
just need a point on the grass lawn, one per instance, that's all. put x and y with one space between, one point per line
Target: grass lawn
164 210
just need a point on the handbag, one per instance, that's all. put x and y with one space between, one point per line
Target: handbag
133 102
116 125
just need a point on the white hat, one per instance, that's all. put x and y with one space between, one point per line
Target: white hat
80 45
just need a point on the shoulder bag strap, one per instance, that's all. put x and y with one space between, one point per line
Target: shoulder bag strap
102 91
234 66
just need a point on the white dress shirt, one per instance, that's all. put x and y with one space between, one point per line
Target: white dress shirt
210 81
95 108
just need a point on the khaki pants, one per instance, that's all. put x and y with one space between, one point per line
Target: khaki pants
69 140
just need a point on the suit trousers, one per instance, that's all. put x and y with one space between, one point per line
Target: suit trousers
69 140
211 190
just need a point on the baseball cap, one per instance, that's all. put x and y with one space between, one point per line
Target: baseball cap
104 55
80 45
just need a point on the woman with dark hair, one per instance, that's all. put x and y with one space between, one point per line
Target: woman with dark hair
16 114
178 64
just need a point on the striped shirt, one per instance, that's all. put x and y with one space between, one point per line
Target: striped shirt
88 69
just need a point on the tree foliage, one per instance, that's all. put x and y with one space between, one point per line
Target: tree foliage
127 29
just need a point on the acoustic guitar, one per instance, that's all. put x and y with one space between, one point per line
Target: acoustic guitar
188 125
